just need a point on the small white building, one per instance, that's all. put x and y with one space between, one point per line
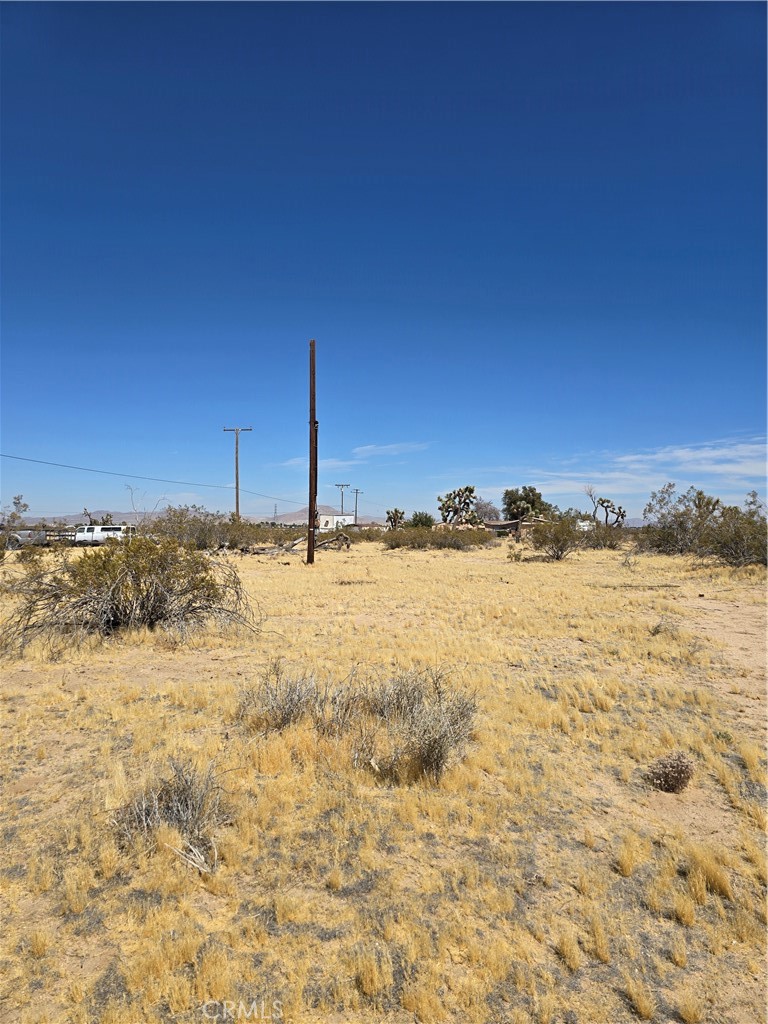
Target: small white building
329 521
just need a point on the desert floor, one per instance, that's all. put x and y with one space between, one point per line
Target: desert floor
541 879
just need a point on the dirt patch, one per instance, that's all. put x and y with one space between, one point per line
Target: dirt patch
741 629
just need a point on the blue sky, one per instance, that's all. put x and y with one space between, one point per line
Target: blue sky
528 238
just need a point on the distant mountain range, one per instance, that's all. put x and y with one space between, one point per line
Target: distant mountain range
97 515
298 518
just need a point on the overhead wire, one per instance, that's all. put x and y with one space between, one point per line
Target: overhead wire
154 479
163 480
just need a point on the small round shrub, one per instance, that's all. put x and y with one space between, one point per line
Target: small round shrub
671 773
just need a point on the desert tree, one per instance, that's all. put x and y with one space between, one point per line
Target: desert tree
106 519
11 519
609 509
486 510
12 516
458 507
520 502
395 518
422 519
606 506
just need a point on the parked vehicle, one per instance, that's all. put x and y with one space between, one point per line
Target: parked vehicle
22 538
92 536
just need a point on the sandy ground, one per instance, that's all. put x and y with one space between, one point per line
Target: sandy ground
529 636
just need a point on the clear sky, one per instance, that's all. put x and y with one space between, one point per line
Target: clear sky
529 238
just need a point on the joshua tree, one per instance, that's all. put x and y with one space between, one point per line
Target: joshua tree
458 507
611 510
606 505
395 518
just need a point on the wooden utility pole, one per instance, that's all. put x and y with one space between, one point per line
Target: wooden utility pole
236 432
312 459
341 488
356 491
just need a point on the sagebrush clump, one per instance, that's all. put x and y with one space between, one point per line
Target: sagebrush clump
189 800
121 586
407 727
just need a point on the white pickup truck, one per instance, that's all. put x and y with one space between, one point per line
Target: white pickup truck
95 535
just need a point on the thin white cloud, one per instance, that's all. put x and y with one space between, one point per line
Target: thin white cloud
737 459
727 468
360 455
402 448
337 463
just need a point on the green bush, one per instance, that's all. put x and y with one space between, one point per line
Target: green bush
557 538
698 524
737 537
122 586
364 533
601 537
421 538
195 526
423 519
191 525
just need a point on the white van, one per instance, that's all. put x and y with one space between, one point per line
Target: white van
95 535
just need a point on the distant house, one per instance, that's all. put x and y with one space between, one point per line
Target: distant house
514 527
333 521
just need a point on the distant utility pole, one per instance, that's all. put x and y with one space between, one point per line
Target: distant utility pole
341 488
356 491
236 432
275 511
312 510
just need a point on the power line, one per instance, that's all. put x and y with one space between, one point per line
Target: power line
154 479
371 503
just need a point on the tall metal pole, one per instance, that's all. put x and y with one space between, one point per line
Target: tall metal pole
356 491
236 432
312 459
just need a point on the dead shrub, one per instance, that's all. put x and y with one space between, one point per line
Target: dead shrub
190 801
671 773
280 700
404 728
122 586
427 724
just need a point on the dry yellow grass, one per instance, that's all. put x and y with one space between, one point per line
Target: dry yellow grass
640 996
538 875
